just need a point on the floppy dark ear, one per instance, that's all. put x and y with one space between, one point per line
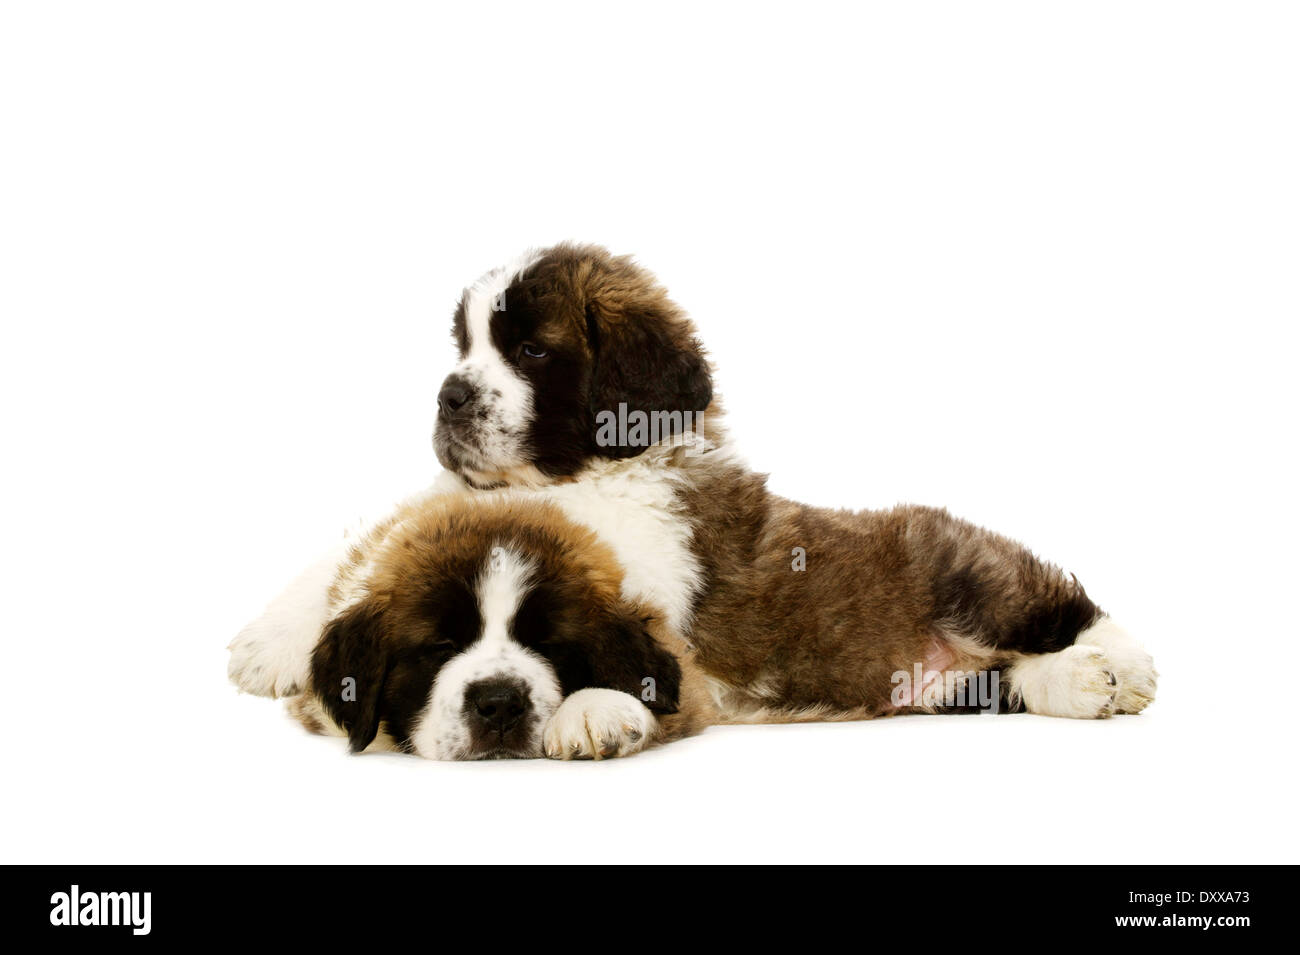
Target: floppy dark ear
627 658
348 670
647 361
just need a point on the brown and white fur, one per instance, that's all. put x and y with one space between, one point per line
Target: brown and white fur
561 337
467 627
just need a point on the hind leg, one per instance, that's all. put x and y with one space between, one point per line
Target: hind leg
1076 683
1058 654
1133 667
1103 672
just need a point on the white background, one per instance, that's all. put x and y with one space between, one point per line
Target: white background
1035 262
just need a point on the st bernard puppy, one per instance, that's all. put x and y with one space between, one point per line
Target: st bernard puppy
582 387
485 629
788 609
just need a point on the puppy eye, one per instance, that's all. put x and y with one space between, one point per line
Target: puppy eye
529 350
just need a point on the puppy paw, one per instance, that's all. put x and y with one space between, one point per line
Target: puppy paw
1078 682
1132 665
596 724
272 655
1137 689
266 662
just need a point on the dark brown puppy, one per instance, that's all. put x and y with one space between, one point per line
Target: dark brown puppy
581 381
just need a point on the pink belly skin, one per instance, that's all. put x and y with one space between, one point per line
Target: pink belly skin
938 656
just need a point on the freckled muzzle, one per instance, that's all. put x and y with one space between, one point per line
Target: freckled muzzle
456 437
479 433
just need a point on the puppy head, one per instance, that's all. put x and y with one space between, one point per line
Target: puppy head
548 343
475 624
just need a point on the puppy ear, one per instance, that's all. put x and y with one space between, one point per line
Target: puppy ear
628 658
348 670
646 358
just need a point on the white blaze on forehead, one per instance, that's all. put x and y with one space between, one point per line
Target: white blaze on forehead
489 290
502 585
506 394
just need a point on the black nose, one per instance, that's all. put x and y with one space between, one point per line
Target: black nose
498 703
455 394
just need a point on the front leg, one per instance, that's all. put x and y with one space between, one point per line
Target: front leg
272 655
598 723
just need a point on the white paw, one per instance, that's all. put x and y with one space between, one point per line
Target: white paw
1132 665
272 655
596 723
1078 682
266 661
1137 687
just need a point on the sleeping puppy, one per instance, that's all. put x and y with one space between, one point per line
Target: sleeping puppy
468 628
